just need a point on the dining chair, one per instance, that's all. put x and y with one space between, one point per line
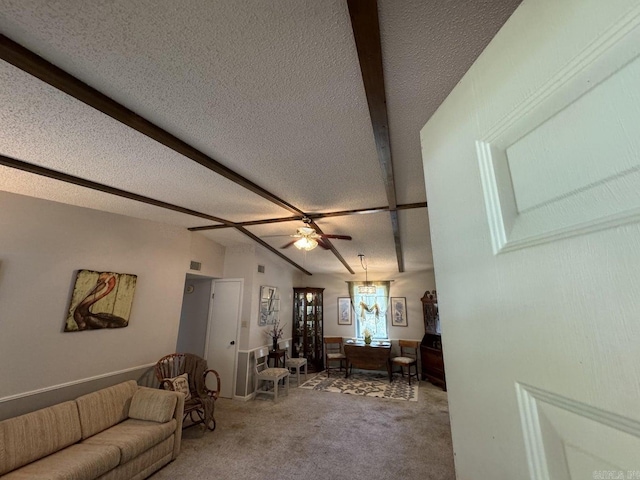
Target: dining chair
333 352
408 358
263 373
294 363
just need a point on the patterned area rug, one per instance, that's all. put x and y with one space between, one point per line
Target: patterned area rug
370 384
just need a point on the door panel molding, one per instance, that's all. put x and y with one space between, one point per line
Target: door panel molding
566 439
511 154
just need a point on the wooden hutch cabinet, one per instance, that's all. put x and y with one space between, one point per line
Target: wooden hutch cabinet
431 348
307 326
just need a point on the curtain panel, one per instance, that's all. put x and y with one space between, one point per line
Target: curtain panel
370 309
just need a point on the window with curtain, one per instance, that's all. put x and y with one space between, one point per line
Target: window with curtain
370 309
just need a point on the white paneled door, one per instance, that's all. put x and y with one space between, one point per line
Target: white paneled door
532 172
222 336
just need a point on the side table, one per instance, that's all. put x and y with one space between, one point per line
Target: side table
277 356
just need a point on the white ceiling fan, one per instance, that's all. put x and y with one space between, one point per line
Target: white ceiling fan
306 238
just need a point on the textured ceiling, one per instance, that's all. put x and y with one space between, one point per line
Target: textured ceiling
271 89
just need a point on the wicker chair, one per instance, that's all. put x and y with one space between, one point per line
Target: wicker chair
200 407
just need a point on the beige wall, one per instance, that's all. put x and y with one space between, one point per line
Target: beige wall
42 245
209 253
242 262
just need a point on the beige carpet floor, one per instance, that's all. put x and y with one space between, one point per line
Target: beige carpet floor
320 435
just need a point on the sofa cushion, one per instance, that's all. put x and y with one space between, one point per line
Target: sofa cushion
153 405
77 462
145 464
29 437
105 408
133 436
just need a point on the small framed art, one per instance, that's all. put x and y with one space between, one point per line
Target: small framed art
399 312
269 305
345 314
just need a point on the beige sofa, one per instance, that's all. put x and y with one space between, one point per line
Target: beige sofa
120 432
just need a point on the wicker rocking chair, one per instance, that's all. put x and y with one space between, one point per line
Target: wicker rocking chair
200 407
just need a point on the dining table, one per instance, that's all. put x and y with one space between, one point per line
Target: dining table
373 356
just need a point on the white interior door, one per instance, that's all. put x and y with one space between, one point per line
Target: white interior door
532 172
222 336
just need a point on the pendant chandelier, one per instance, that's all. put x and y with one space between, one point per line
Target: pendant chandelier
367 288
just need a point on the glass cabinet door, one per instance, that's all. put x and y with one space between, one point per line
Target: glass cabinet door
307 326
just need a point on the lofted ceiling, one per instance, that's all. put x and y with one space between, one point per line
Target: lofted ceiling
270 91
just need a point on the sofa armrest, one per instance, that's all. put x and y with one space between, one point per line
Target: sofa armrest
178 415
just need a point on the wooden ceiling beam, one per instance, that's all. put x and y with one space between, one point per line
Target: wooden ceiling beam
366 33
29 62
364 19
395 225
365 211
64 177
313 216
247 223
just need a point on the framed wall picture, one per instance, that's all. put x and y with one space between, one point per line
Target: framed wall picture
100 300
399 312
345 312
269 305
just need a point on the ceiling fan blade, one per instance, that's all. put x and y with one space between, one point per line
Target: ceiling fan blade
285 235
287 245
322 244
339 237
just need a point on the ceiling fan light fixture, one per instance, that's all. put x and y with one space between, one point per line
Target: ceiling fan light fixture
306 231
306 243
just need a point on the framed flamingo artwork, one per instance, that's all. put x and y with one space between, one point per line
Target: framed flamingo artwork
100 300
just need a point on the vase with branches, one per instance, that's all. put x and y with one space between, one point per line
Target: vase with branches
275 332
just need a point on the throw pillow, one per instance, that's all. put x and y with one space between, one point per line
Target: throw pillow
181 384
